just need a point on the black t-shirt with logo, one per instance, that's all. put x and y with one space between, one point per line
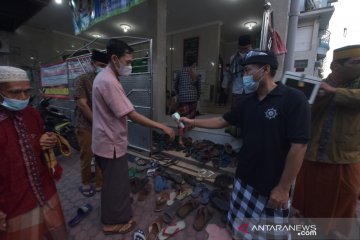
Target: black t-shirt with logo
268 128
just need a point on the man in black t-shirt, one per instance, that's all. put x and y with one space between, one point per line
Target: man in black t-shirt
275 121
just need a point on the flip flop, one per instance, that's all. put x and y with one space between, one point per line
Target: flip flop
203 216
120 228
141 161
154 229
87 192
172 198
184 193
171 230
82 212
187 208
139 235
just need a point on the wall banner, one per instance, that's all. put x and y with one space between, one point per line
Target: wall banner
86 13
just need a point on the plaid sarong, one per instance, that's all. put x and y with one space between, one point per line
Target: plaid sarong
42 222
248 208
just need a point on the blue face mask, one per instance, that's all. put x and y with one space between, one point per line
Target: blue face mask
250 85
14 104
98 69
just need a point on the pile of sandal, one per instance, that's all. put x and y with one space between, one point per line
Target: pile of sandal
203 151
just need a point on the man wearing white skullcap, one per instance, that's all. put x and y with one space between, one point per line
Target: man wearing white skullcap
26 187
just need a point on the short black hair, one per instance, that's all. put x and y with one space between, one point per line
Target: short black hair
190 61
117 47
98 56
244 40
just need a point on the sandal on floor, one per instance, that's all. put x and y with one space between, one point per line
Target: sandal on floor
154 229
170 213
184 193
171 230
121 228
141 161
203 216
187 208
139 235
82 212
87 192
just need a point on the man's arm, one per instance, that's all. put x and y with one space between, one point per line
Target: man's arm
84 108
344 97
142 120
280 194
216 122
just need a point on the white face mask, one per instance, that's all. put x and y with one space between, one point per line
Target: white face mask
125 70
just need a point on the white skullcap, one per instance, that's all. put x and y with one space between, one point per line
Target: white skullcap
12 74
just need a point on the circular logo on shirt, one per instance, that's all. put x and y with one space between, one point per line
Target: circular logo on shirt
271 113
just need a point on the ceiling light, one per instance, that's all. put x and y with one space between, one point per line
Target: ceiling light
96 35
58 1
250 25
125 27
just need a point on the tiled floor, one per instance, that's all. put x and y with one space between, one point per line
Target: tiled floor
90 227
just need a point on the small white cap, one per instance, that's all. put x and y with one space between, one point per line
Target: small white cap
12 74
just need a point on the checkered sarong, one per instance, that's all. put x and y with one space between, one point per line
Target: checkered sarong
248 208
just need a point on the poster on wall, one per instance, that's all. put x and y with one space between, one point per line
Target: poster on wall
86 13
54 80
79 65
191 50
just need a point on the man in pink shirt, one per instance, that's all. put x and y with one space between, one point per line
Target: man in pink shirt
111 108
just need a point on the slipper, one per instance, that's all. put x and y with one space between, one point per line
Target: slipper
205 196
133 173
160 184
171 230
121 228
141 161
184 193
154 229
169 214
160 203
187 208
203 216
139 235
172 198
87 192
151 172
82 212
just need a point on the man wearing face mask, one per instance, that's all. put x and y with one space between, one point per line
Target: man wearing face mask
236 69
83 122
111 109
29 204
275 122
